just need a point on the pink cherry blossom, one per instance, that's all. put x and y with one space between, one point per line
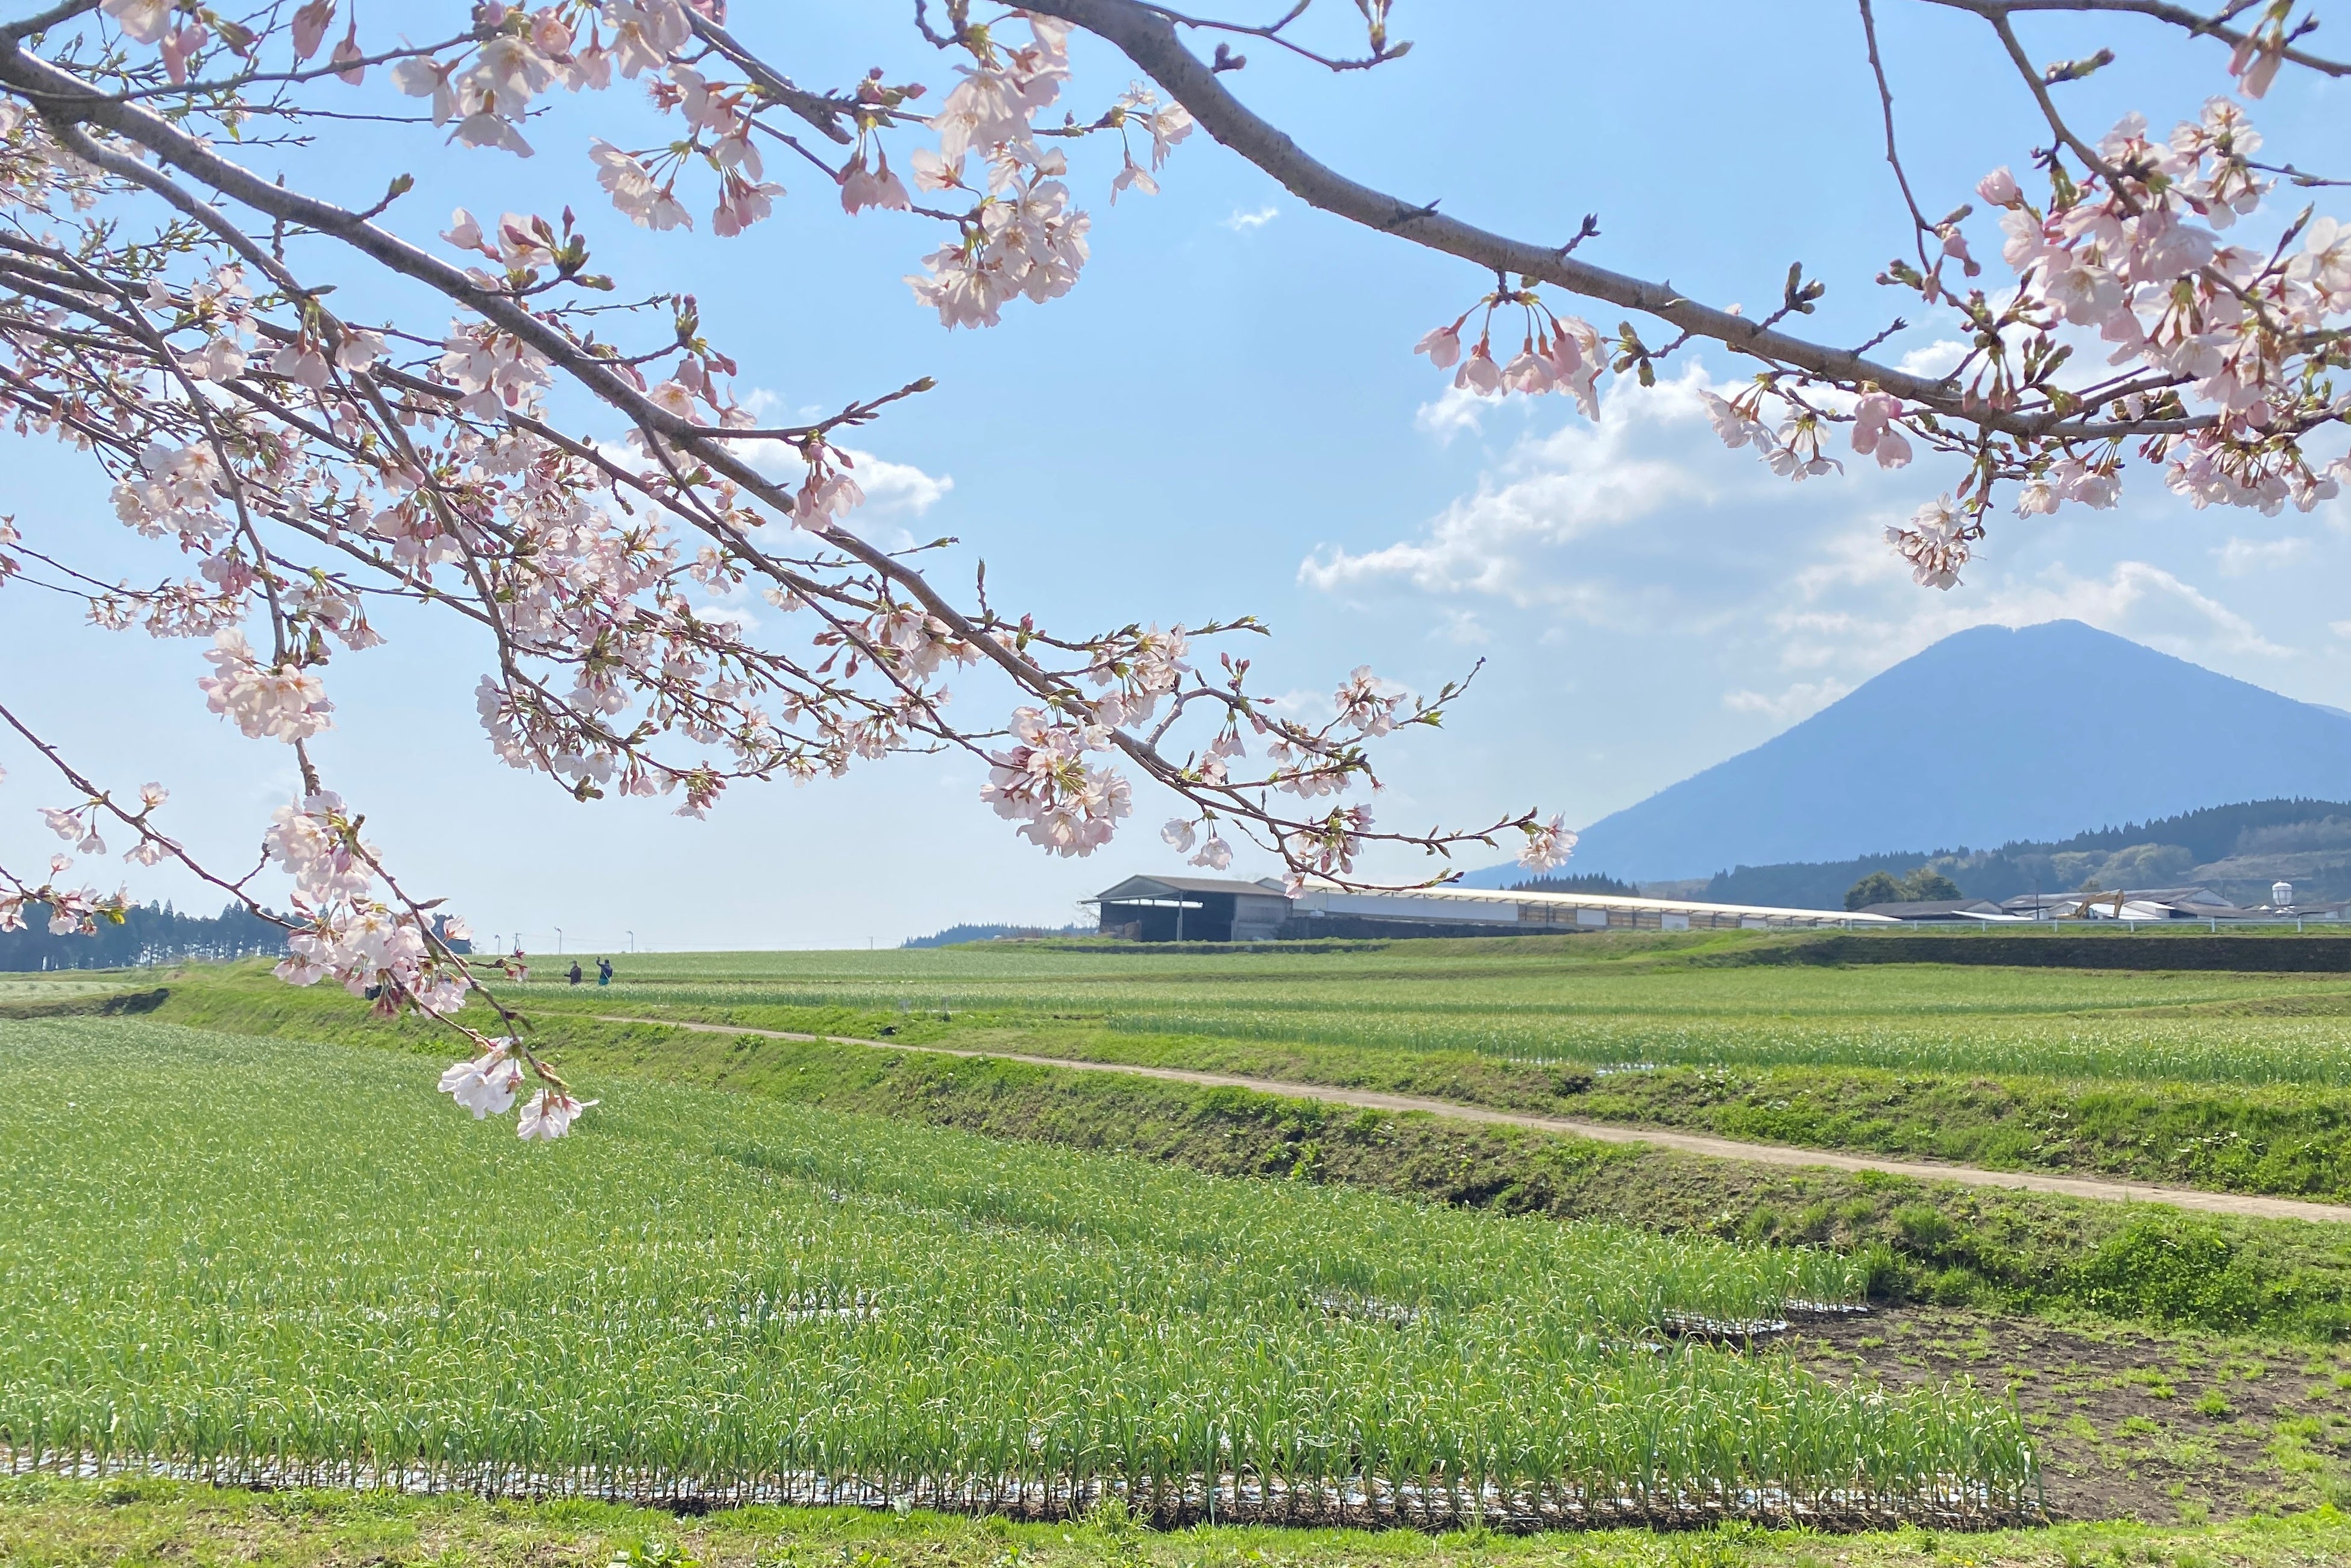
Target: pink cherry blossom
1874 434
1479 373
548 1115
1548 844
1934 543
141 21
878 186
1441 344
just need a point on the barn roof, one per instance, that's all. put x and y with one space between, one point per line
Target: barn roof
1160 887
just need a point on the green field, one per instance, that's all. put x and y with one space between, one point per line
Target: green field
261 1260
258 1250
1593 1001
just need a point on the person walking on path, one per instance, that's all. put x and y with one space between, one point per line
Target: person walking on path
603 971
575 977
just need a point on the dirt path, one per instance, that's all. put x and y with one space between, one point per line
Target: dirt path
1656 1137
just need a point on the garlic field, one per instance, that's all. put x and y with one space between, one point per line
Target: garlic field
252 1260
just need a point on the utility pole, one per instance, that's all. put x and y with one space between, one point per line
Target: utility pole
558 940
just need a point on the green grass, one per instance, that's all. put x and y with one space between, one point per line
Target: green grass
53 1524
287 1262
2228 1082
1936 1241
1592 1002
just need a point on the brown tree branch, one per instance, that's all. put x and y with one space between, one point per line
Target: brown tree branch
1148 38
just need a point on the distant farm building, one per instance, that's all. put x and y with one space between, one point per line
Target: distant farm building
1207 909
1941 909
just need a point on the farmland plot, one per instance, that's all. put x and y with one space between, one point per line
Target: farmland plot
256 1261
1595 1006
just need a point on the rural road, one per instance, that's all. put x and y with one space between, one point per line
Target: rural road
1656 1137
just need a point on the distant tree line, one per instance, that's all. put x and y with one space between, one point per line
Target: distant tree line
2236 848
1584 882
955 935
1925 885
149 934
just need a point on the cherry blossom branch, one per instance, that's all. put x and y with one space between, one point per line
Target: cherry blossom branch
1148 38
825 113
2182 16
100 799
1275 33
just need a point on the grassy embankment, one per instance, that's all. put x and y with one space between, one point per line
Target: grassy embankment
1933 1241
52 1524
2230 1082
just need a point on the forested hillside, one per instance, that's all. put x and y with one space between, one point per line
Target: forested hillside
2237 851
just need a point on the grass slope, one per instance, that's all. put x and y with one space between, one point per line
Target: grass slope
119 1524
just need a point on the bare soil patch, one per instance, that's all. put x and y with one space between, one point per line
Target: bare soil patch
2133 1425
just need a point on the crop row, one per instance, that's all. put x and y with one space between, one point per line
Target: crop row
2211 1050
260 1261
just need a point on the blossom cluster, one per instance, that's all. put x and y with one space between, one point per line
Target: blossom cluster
356 930
2224 344
1043 781
1558 353
486 1085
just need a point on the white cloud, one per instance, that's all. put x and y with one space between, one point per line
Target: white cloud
733 615
1463 626
896 492
2135 600
1936 359
2240 555
1582 480
1243 223
899 489
1457 409
1800 701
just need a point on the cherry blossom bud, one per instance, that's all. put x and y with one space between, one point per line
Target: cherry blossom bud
1999 188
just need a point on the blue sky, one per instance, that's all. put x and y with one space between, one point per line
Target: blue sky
1225 416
